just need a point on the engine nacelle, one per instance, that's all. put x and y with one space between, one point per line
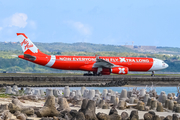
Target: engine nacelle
120 70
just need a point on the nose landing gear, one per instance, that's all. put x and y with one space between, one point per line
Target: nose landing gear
152 74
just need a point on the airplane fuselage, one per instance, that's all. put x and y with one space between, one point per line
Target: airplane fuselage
86 62
99 65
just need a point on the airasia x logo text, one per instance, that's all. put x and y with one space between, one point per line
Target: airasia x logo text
26 43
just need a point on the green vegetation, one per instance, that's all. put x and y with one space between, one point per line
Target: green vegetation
4 96
173 49
65 47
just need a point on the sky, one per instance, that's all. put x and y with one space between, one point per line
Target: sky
117 22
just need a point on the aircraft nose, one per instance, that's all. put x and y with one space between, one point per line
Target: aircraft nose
166 65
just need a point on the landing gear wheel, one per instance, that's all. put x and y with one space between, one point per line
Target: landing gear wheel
88 74
94 74
99 74
152 74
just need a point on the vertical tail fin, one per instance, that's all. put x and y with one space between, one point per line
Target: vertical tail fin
26 43
31 52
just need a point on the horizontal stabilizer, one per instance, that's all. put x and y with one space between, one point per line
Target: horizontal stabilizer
30 57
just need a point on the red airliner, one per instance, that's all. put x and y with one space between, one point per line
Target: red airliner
95 65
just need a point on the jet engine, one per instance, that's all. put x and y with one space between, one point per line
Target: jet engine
120 70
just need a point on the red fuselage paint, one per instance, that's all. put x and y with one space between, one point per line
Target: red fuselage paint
86 62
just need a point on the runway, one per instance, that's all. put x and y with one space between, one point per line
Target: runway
34 80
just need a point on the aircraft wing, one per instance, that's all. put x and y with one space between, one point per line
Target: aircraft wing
101 63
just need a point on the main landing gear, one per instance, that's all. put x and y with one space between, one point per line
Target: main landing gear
92 74
88 74
152 74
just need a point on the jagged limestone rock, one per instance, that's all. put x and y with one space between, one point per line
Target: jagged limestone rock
78 93
142 92
104 94
57 93
175 117
146 97
129 94
134 115
28 91
154 104
140 106
42 93
66 91
162 97
72 94
169 117
131 100
37 92
117 101
16 105
148 116
28 111
102 116
123 95
178 109
156 117
49 109
101 103
109 91
97 92
49 92
83 106
113 99
159 107
105 106
166 103
8 90
15 88
86 93
21 116
136 100
91 94
77 115
82 90
3 107
121 105
124 115
171 105
63 105
115 116
90 111
112 111
170 96
108 97
5 115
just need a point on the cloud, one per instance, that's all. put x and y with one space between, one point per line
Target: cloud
82 28
18 20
